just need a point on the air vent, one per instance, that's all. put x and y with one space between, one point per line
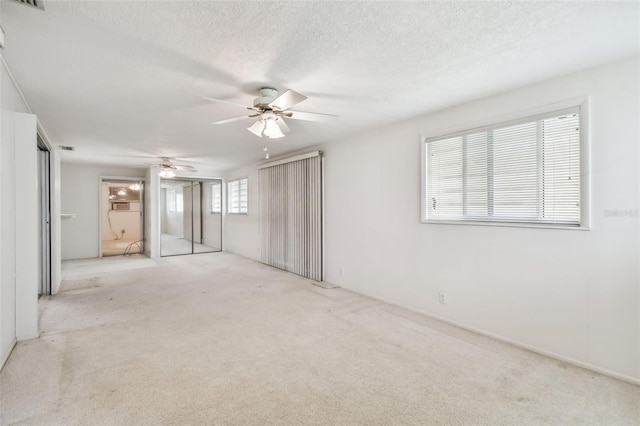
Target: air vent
34 3
66 148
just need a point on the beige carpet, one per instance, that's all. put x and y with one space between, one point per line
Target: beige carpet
219 339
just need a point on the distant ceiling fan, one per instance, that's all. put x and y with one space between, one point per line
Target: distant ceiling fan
168 169
271 110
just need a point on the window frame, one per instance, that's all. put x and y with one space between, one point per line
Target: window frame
212 209
172 201
518 118
229 203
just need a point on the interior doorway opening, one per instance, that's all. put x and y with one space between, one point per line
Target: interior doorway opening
122 228
191 216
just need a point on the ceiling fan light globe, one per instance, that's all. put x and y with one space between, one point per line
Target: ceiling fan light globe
257 128
166 174
272 130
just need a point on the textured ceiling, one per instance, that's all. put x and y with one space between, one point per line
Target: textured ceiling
119 80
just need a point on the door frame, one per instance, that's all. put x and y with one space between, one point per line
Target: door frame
44 193
124 179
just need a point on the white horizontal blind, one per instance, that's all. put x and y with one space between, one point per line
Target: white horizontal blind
171 201
527 171
291 216
237 194
216 198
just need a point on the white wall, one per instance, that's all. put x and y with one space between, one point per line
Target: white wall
26 226
18 294
152 213
211 222
80 195
241 232
572 294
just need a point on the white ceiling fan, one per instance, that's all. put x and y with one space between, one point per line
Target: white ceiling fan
168 168
271 110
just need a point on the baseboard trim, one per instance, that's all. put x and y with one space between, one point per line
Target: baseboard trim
549 354
544 352
325 284
6 356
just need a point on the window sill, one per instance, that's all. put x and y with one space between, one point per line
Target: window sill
507 224
237 214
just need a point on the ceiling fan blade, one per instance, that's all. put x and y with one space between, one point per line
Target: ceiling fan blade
287 100
311 116
227 102
229 120
185 167
257 128
283 125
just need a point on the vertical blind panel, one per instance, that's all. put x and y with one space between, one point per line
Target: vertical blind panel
527 172
291 217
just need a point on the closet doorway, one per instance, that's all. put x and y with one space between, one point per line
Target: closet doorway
190 216
122 230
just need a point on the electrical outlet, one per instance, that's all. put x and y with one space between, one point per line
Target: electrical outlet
442 298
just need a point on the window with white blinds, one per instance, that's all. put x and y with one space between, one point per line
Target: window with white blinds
216 198
527 171
237 193
171 201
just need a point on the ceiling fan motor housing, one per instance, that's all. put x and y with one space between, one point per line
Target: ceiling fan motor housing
267 95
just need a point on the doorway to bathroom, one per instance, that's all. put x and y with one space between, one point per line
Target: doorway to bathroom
122 218
190 216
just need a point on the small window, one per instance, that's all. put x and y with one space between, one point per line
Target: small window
237 193
171 201
174 201
524 171
179 202
216 198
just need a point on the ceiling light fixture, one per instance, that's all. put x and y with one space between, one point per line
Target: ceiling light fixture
122 192
272 130
166 174
257 128
135 187
268 125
